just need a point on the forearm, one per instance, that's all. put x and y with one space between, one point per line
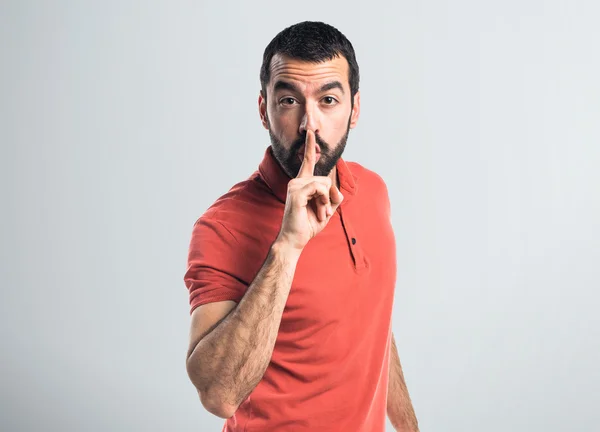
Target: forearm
231 360
399 406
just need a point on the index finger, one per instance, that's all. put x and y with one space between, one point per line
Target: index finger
307 169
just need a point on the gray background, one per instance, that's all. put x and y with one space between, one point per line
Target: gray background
121 122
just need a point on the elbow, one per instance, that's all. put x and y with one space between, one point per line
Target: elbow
215 407
210 400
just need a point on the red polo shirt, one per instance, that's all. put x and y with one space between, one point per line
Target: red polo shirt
329 369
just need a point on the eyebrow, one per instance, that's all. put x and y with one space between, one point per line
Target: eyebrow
284 85
332 85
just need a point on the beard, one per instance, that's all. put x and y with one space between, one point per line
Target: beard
290 162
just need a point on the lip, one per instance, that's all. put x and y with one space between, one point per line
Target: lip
316 148
301 151
301 155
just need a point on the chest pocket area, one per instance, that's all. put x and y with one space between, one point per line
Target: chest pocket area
320 303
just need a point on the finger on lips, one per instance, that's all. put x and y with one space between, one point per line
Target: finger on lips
308 163
307 169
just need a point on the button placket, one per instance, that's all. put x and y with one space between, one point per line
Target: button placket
355 248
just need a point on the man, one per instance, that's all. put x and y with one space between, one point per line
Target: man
291 273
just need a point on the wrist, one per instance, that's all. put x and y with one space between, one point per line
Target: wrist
285 250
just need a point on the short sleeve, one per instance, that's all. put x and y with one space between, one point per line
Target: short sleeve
212 274
385 195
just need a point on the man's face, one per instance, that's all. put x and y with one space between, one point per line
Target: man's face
301 96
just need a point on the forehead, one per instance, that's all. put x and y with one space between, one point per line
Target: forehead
309 74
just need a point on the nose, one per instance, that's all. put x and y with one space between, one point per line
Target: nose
310 120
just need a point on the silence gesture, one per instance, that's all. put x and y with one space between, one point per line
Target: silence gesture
311 200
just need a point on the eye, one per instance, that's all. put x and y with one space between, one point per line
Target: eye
287 101
329 100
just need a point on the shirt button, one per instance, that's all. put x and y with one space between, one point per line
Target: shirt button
353 240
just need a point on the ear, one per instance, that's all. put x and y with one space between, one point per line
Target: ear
262 110
355 110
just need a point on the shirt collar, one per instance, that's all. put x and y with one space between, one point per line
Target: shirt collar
277 179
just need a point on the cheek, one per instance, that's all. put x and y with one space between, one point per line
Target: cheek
336 127
337 118
284 123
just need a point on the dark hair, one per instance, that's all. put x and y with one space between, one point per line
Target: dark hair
311 41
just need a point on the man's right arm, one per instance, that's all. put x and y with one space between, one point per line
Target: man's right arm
226 364
229 361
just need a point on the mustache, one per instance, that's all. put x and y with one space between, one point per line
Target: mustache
297 145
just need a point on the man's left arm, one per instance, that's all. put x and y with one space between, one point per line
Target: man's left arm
399 406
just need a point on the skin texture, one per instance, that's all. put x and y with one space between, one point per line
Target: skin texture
287 113
399 406
310 203
226 364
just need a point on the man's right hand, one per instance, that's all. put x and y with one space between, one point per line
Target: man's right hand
310 203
